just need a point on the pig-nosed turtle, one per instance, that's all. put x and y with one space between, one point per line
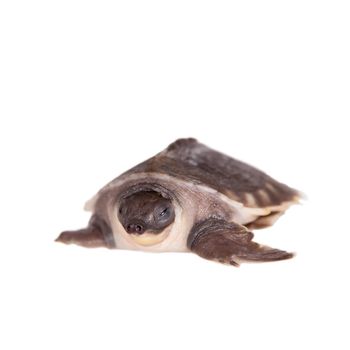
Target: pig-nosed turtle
187 198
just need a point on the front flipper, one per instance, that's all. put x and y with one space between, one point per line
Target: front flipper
229 243
96 234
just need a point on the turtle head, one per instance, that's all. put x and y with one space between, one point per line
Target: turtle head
146 213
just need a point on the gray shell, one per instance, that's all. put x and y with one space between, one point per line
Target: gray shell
191 161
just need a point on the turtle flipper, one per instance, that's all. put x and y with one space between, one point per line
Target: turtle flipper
96 234
230 243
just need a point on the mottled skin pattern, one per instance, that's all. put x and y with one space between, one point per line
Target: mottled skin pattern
148 206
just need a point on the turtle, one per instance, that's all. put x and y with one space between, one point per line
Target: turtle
188 198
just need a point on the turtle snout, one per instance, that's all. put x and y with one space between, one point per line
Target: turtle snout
137 228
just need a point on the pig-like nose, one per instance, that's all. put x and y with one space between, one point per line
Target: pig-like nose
135 228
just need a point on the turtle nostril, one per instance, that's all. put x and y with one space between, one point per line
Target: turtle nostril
134 228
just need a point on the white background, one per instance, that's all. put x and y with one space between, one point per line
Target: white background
90 88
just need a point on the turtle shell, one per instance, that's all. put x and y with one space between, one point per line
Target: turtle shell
189 160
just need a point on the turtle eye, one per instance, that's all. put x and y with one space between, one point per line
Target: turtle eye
164 212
